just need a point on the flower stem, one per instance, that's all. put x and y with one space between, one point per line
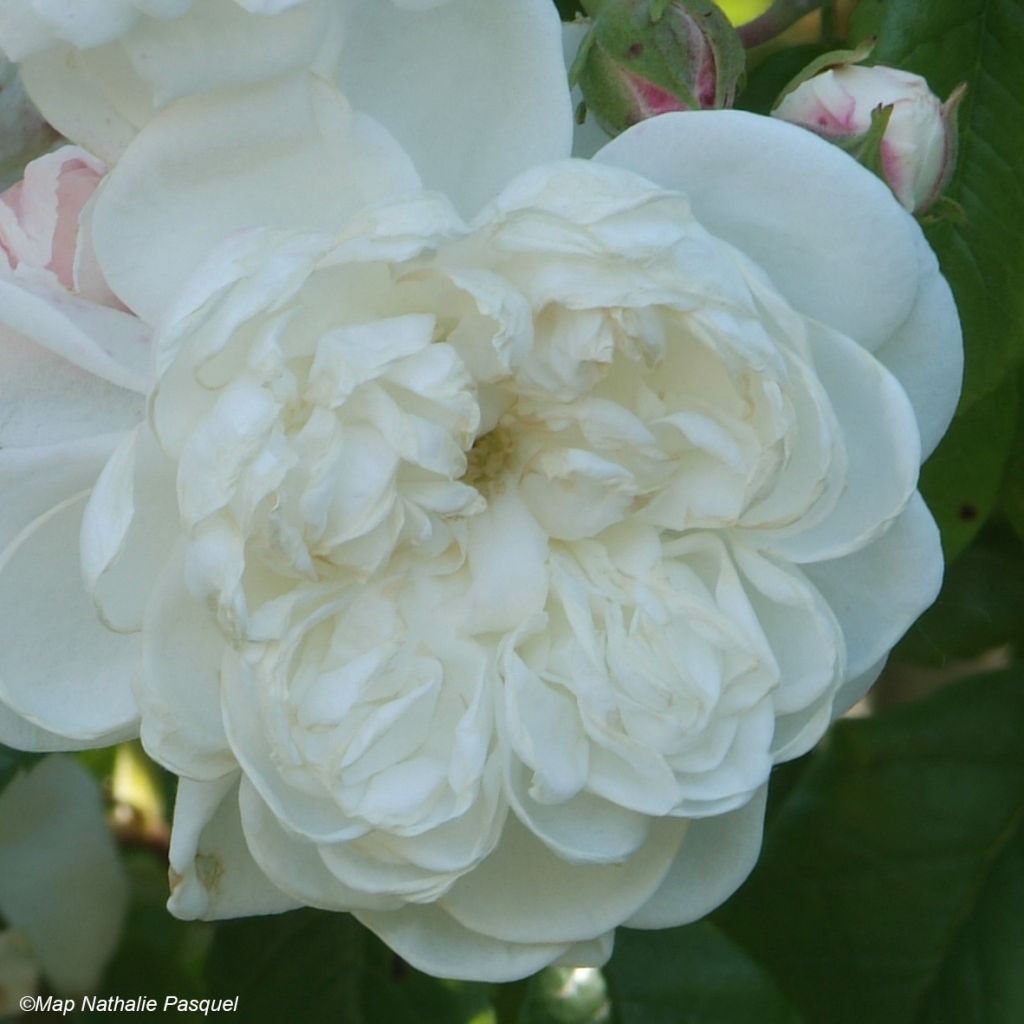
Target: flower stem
775 20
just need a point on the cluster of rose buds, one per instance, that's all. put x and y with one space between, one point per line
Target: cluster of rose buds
642 58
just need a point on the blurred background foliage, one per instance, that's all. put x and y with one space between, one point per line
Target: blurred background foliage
891 885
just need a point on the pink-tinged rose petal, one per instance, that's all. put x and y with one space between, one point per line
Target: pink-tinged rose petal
40 221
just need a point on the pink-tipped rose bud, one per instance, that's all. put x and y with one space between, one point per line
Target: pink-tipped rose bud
40 218
648 57
916 153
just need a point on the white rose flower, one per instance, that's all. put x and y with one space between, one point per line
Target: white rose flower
482 571
101 69
73 375
918 149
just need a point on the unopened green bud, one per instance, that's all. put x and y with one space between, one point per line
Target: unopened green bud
648 57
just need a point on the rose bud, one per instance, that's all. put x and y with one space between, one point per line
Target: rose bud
889 119
648 57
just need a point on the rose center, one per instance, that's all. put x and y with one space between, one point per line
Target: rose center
489 458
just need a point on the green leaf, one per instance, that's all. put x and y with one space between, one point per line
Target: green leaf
691 975
889 872
978 42
983 978
12 762
1013 491
981 605
99 762
315 967
770 77
963 480
568 9
158 954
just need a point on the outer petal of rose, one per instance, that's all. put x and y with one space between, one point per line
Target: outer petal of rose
82 107
59 667
475 90
101 97
882 446
219 44
926 355
287 154
419 5
716 856
107 343
129 525
878 592
797 733
267 6
86 22
61 882
294 864
829 234
524 893
179 684
433 942
856 688
47 401
589 136
593 953
584 829
33 481
22 31
213 875
21 734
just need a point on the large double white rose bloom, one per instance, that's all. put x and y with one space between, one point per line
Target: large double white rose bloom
497 519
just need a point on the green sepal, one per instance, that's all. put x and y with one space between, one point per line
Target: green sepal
639 47
576 68
944 210
951 134
866 149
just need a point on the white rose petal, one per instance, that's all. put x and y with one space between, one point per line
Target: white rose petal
73 373
99 70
